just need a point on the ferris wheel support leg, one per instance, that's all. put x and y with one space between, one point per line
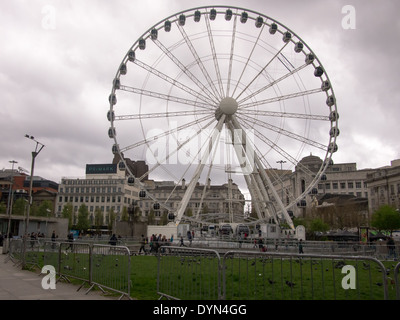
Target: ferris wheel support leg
265 177
250 174
189 191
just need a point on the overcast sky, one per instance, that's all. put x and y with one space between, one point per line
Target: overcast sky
58 60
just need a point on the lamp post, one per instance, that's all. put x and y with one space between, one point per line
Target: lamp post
281 162
38 148
9 207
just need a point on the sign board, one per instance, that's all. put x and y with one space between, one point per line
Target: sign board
101 168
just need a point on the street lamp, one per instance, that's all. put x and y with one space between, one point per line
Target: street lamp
9 207
281 162
38 148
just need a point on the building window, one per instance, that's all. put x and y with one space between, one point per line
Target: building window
358 185
350 185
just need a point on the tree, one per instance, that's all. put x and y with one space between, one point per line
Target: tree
44 209
112 215
386 218
83 218
68 213
125 215
19 206
98 219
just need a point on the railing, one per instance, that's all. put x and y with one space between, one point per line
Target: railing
194 274
104 266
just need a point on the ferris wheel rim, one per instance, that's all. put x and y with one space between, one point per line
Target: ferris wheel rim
146 36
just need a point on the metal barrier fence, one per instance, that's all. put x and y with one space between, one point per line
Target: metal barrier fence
111 268
189 274
97 265
261 276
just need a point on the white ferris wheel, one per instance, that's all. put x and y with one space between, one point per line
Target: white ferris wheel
223 94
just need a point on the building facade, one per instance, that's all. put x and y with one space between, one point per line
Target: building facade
338 179
215 203
104 188
384 186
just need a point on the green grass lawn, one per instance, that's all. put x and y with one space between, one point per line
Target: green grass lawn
245 278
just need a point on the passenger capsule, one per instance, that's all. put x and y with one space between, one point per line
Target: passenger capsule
286 37
197 16
131 56
111 133
182 20
131 180
171 216
116 84
273 28
325 85
167 26
314 191
302 203
142 194
323 177
332 147
112 99
244 17
298 47
213 14
330 101
156 206
334 132
228 15
259 22
318 72
154 34
122 69
334 116
110 115
114 149
309 58
142 44
121 165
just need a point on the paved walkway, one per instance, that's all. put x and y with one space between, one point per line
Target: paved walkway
17 284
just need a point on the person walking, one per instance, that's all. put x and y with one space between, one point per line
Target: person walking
301 246
142 245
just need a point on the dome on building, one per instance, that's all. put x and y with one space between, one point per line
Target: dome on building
313 163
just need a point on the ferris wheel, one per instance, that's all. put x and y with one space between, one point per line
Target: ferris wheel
223 94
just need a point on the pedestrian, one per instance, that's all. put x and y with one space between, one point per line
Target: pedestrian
53 240
142 244
301 246
182 243
113 240
391 248
70 240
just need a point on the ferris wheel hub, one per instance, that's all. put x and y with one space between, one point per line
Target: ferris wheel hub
228 106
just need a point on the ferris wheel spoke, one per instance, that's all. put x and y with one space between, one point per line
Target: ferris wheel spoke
165 133
161 115
166 97
275 82
174 82
275 147
214 55
287 115
179 146
231 56
214 138
262 70
198 60
280 98
248 59
185 70
286 133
